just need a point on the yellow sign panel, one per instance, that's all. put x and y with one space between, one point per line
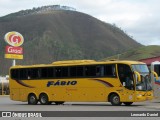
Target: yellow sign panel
13 56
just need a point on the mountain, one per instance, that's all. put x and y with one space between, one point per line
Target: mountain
138 53
53 34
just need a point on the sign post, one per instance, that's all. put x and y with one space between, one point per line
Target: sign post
14 62
14 51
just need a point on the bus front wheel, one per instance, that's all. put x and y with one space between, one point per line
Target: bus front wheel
43 99
115 100
32 99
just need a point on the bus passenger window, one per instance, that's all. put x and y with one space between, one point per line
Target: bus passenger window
23 74
50 72
44 73
90 71
33 73
157 69
79 71
100 71
73 71
64 72
58 72
110 70
14 74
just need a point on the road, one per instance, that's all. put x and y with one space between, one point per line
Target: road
8 105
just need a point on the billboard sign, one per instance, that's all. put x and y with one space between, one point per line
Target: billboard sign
15 40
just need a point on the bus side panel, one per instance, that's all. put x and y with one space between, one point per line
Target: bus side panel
14 94
89 94
93 92
14 91
78 94
58 94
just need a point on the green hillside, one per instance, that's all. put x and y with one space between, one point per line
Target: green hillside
138 53
52 35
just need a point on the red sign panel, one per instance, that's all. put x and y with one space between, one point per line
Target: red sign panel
14 50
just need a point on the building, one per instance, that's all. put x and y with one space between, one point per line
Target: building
148 61
4 85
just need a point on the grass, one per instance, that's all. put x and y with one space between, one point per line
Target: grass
138 53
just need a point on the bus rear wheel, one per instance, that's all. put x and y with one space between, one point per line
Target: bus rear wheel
127 103
32 99
115 100
43 99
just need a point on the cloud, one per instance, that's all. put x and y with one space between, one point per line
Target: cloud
139 18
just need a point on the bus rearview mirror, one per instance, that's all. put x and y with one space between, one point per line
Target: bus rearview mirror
138 76
155 74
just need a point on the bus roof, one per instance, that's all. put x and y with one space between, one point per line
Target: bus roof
155 63
79 62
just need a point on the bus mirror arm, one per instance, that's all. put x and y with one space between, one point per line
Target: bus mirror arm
138 75
155 74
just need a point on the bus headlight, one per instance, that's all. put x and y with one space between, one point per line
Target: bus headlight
139 95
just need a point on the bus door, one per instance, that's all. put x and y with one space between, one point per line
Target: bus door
155 66
126 78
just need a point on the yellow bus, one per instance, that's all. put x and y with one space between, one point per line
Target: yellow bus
155 67
81 81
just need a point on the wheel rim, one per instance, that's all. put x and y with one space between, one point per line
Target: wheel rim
43 99
116 100
32 99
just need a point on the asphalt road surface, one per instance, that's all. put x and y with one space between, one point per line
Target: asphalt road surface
151 106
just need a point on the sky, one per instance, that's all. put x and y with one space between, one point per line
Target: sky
138 18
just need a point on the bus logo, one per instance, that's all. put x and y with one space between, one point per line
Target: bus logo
61 83
14 39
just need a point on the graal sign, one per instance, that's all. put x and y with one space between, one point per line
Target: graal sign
14 39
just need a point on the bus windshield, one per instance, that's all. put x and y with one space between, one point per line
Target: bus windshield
141 68
145 83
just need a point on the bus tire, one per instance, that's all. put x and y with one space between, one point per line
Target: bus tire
127 103
32 99
115 100
43 99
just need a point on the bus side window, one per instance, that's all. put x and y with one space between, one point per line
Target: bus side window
50 72
114 70
44 73
15 74
64 71
157 69
35 73
29 74
100 71
90 71
23 74
58 72
110 70
72 71
80 71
